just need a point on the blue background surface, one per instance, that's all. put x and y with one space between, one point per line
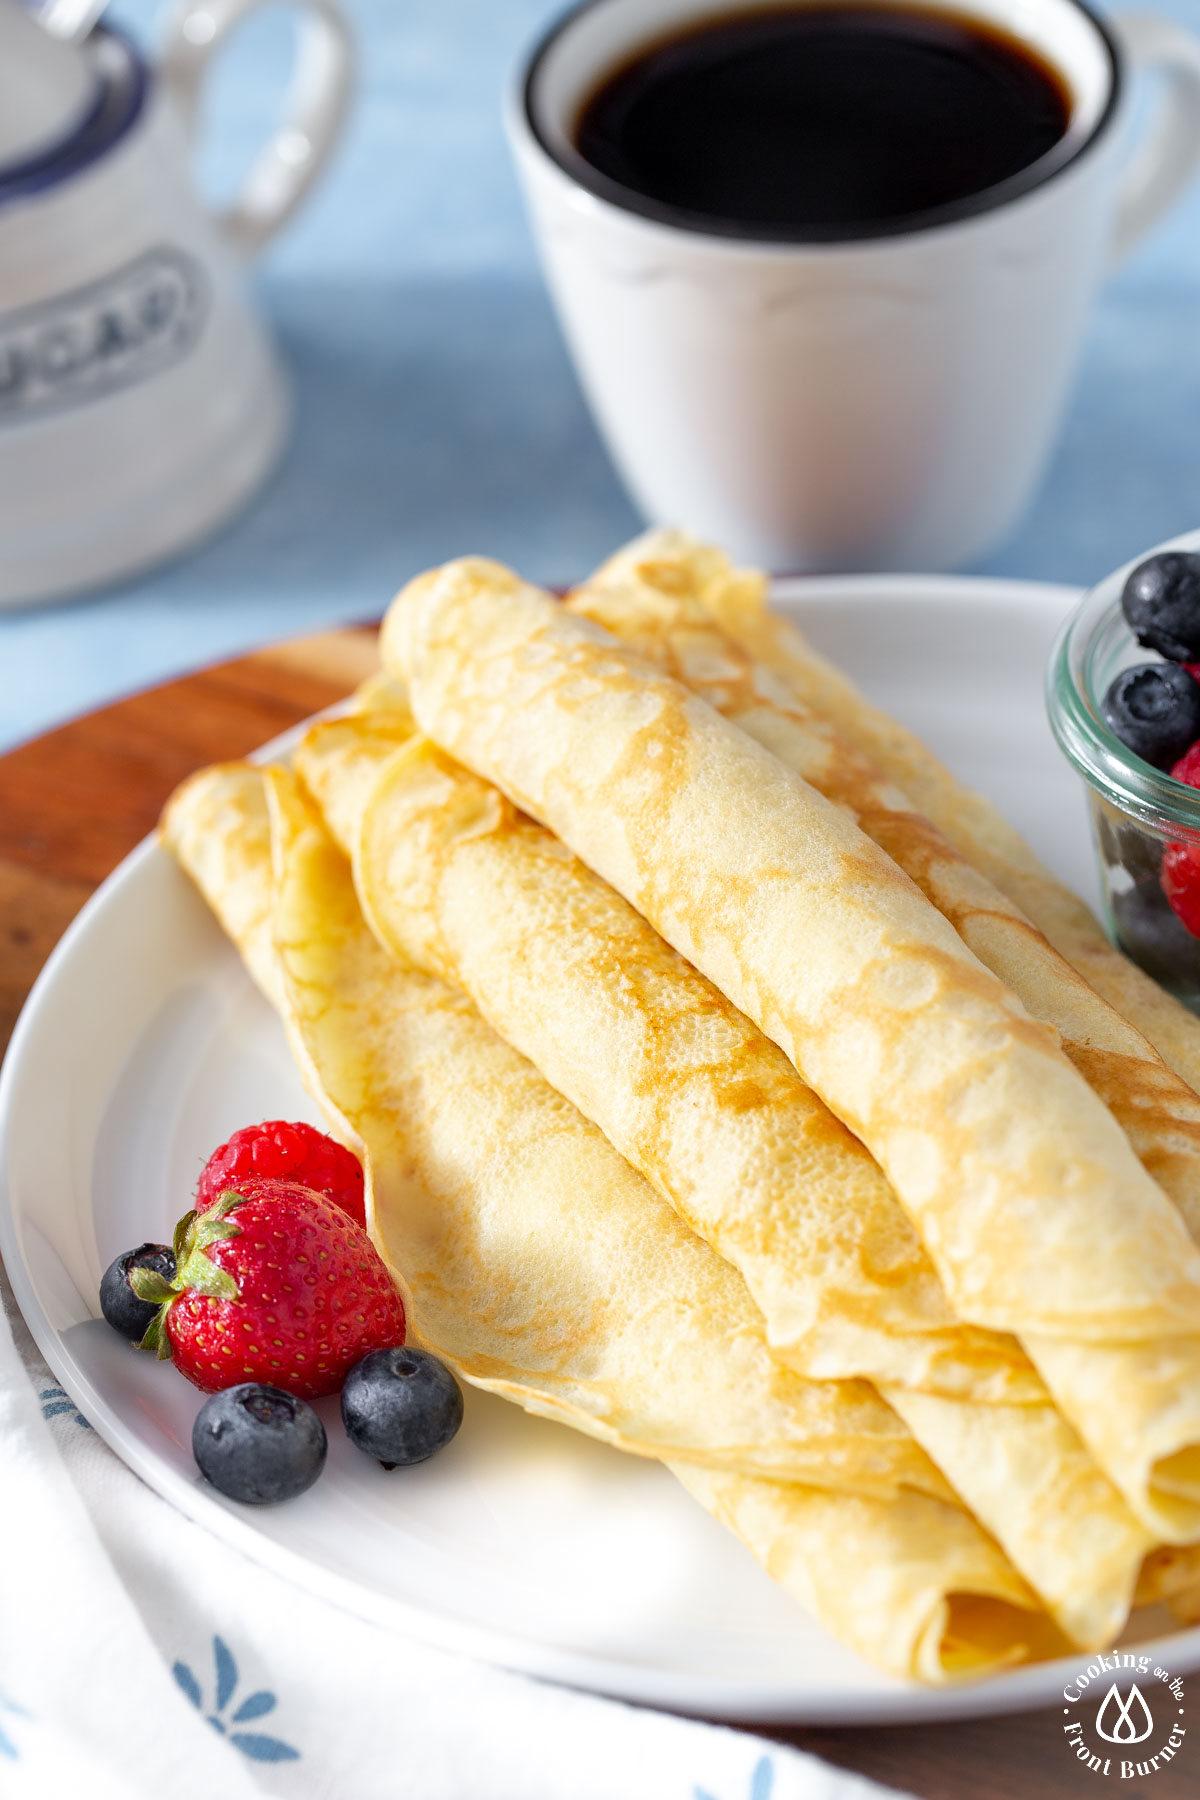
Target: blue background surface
437 412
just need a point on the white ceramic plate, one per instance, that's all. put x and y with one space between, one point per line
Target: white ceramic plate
143 1045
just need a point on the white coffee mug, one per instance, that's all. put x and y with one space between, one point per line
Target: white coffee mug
140 399
888 402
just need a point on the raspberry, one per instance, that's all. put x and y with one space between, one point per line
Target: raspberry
1181 884
1181 862
279 1151
1187 769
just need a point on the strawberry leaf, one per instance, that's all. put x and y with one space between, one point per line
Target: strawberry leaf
194 1270
150 1286
201 1275
198 1232
179 1239
224 1228
156 1338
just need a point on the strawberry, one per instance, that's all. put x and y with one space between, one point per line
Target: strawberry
276 1286
280 1151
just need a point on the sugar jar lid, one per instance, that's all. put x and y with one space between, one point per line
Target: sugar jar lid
49 87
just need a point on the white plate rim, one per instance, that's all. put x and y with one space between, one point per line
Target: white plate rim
727 1698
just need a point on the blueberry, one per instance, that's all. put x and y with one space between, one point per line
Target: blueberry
1150 934
118 1302
1161 602
1154 709
1128 847
258 1444
401 1405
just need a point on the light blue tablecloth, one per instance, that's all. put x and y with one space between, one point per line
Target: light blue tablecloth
437 409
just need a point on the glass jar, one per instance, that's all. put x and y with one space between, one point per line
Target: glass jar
1140 816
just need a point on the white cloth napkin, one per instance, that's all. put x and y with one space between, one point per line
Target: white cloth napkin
141 1656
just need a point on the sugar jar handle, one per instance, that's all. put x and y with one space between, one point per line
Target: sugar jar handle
318 98
1169 154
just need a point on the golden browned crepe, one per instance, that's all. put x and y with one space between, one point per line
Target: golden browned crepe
903 1586
218 828
1028 1196
966 819
1171 1575
452 878
661 596
462 1144
535 1259
1185 1605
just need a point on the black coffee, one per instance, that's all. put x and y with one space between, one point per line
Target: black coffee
823 121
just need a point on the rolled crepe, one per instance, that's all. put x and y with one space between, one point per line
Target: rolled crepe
1035 1210
533 1257
453 879
1168 1570
1172 1576
1185 1605
660 595
420 1117
218 828
888 1588
976 829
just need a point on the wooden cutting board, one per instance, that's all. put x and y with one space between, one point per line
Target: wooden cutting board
73 803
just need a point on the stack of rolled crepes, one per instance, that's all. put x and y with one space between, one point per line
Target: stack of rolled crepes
718 1102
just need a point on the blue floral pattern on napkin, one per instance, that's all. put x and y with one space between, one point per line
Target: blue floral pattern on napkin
762 1780
56 1400
7 1746
257 1745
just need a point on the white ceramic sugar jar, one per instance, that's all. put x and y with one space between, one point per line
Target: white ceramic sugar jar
140 400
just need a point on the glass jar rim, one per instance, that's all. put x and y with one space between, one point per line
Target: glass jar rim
1108 766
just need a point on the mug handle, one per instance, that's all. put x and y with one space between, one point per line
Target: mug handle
1169 155
318 99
